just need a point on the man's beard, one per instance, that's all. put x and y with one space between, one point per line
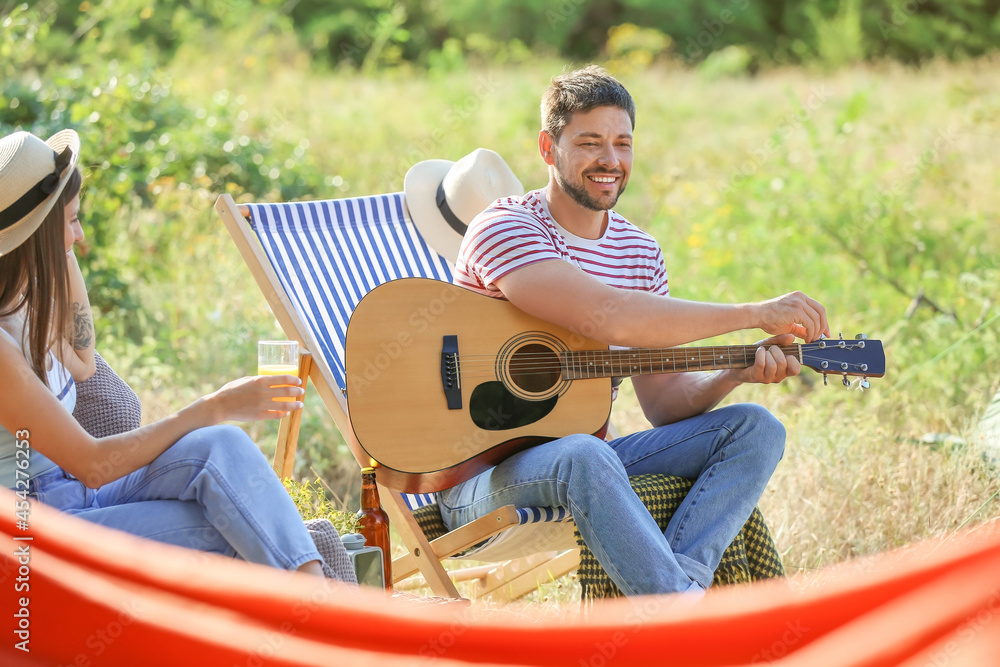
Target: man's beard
582 197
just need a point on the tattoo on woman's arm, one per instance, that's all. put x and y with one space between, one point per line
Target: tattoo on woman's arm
83 327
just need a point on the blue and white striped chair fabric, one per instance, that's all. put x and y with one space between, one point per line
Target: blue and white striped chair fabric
541 515
520 540
328 254
525 515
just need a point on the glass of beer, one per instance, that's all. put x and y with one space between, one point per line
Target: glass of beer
278 357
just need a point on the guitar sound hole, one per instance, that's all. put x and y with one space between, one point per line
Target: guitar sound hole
534 368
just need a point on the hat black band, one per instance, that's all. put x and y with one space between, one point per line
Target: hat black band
449 215
30 200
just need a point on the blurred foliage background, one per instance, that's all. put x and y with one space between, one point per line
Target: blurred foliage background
843 148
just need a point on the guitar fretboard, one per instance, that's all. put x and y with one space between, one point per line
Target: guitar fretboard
584 364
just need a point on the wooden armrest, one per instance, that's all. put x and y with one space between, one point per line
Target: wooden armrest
459 539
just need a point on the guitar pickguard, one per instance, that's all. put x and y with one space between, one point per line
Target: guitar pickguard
494 408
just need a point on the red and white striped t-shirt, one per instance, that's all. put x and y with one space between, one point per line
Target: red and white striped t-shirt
517 231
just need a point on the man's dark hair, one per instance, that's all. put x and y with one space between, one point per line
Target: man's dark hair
580 91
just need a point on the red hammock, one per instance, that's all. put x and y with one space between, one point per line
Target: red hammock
79 594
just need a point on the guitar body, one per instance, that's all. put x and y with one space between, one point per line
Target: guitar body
443 383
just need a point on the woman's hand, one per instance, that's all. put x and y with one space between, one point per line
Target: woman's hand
252 398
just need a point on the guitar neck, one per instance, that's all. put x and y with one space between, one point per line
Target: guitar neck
578 365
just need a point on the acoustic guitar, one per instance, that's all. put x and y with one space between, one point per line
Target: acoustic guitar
443 382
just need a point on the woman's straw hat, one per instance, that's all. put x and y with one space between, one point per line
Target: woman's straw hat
32 175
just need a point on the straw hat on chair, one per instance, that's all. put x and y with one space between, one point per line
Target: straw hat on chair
444 196
32 175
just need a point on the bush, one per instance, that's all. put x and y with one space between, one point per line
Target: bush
154 160
386 34
312 502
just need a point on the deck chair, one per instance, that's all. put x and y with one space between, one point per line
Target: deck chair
314 261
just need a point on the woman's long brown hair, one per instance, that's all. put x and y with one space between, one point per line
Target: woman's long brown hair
33 277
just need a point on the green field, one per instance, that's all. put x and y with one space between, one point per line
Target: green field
872 188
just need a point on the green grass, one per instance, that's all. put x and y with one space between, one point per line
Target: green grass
872 189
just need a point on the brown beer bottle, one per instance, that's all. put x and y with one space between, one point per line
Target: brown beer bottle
373 522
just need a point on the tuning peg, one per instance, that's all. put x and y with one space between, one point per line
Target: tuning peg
847 383
824 379
861 337
864 384
840 335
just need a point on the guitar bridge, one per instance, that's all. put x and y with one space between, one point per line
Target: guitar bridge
451 377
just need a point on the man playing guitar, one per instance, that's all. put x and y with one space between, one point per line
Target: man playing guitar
562 254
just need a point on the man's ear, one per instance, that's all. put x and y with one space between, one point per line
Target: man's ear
545 143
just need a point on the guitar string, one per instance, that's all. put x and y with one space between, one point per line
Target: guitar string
619 357
699 351
601 372
546 362
528 364
524 370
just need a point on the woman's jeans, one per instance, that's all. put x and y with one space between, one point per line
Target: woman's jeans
730 453
213 490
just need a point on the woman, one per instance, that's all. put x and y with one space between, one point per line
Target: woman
185 479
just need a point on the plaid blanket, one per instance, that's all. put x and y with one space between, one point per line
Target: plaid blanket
750 557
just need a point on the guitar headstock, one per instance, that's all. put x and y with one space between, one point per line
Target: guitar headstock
859 357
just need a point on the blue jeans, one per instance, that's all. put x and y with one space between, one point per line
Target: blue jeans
213 490
731 454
